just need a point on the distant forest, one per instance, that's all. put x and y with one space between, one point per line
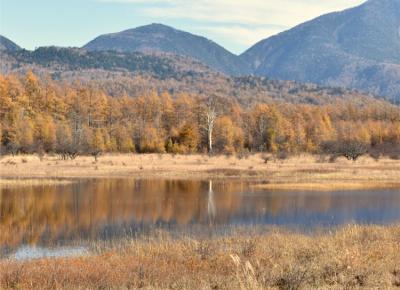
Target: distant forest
39 115
135 74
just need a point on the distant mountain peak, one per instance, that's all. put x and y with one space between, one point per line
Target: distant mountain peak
153 27
165 39
159 26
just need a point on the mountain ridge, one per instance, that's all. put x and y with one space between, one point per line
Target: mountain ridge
162 38
350 48
7 44
357 48
136 74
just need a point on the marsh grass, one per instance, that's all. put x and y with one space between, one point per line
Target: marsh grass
327 186
26 182
301 169
350 258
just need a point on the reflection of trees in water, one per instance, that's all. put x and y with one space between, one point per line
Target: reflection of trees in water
84 209
49 213
211 209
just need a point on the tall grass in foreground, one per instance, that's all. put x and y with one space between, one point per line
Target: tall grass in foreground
352 257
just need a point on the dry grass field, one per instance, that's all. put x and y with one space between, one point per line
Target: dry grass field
354 257
302 172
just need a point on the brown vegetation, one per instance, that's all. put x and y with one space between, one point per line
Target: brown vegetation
136 74
43 116
303 170
353 257
17 182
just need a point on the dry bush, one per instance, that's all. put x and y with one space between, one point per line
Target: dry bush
228 172
321 158
266 158
353 257
243 154
249 248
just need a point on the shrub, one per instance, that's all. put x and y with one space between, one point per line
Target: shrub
282 155
266 158
351 149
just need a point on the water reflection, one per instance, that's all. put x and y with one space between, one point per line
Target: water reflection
29 253
211 209
104 209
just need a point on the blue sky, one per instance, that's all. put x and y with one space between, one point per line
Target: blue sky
235 24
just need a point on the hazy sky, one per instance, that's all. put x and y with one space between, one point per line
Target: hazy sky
235 24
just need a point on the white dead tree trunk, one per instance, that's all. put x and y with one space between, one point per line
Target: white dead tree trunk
210 116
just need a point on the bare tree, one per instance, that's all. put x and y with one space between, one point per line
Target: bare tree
210 115
353 149
350 149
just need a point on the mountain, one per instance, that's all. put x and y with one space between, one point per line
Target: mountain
356 48
6 44
136 74
164 39
58 60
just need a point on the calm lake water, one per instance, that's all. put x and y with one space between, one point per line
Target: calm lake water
63 219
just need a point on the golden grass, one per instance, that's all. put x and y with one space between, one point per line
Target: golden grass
304 171
350 258
333 186
17 182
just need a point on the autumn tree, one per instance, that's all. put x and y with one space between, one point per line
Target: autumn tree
151 141
96 143
186 141
124 141
228 137
45 133
64 144
39 115
32 91
266 122
26 135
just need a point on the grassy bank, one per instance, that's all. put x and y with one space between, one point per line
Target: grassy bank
32 182
302 172
352 257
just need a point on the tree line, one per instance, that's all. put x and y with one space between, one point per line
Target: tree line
39 115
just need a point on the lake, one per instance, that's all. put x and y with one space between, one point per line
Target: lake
61 220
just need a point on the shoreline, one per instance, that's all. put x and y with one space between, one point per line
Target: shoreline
304 172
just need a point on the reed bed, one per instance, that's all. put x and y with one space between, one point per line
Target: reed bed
27 182
328 186
301 172
353 257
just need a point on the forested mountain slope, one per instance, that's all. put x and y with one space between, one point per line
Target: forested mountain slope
135 74
356 48
162 38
